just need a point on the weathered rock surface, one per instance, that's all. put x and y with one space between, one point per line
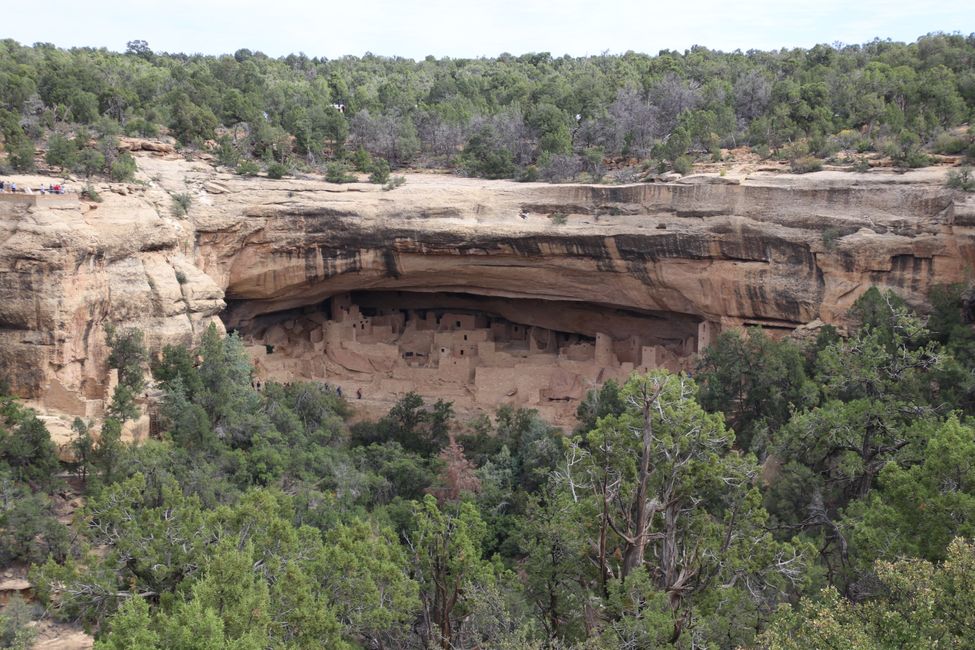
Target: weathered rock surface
68 267
772 251
780 251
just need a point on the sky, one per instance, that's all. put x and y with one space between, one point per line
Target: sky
465 28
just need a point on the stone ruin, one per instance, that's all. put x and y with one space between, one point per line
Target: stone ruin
378 346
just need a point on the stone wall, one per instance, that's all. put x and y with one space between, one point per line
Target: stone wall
477 360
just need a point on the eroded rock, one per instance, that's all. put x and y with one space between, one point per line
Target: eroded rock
776 251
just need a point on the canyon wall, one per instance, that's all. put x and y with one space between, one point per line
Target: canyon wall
779 251
766 253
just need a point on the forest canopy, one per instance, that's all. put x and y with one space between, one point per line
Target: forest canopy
792 494
531 117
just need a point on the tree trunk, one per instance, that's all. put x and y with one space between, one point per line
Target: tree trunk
640 510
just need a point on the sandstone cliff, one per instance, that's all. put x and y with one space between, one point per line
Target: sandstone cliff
773 250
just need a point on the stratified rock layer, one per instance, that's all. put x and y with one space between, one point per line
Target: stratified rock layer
773 250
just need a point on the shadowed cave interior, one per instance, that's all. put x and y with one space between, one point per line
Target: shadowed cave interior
475 350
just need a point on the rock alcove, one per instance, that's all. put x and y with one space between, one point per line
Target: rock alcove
478 351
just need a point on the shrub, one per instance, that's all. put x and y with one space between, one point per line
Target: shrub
277 170
806 164
362 161
906 151
181 204
227 154
16 631
248 168
823 147
485 155
380 172
142 127
558 218
560 167
830 236
915 159
181 277
91 194
529 174
794 150
592 161
394 182
961 180
90 161
61 152
683 165
124 168
861 165
846 139
20 155
336 172
949 144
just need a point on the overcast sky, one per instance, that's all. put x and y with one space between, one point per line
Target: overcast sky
464 28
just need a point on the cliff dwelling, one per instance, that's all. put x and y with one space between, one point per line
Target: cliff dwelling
476 351
374 292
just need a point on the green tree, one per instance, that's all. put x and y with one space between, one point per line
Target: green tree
871 382
665 487
367 580
412 424
551 538
921 606
16 633
878 403
232 592
917 510
484 156
130 628
124 168
446 546
755 381
90 161
29 529
26 449
20 154
61 152
599 404
379 172
191 122
551 125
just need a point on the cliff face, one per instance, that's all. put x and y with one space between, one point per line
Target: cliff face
774 251
67 268
777 251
